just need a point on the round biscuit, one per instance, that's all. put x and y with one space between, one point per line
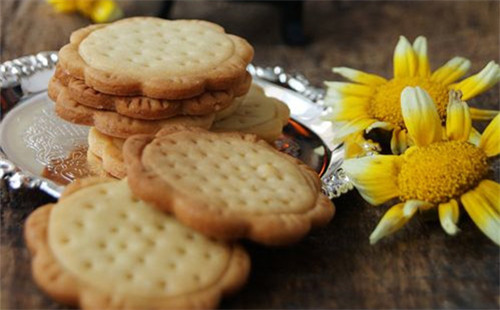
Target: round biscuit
157 58
117 252
227 185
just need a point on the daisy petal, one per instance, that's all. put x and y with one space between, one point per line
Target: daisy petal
458 120
393 220
483 213
359 76
349 89
480 82
420 116
375 177
405 60
474 137
414 204
448 216
490 139
348 108
381 125
482 115
420 48
352 127
491 191
451 71
399 141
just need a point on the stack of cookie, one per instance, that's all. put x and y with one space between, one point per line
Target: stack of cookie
173 109
140 75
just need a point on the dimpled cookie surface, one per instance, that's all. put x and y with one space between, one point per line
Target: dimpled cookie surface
151 47
112 241
229 173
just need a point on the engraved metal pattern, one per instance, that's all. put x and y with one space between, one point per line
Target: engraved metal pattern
51 139
335 182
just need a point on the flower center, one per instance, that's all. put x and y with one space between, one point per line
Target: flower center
441 171
386 103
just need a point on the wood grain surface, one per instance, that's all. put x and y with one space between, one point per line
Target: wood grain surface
334 267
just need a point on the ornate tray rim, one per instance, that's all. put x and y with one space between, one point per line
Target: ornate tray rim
13 72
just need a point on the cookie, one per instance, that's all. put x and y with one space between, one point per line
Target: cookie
227 185
61 75
112 123
109 151
152 109
156 58
100 247
94 163
226 112
258 114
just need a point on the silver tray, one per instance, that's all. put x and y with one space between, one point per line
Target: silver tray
32 136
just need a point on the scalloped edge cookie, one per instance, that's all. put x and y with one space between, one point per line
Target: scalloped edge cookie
65 288
149 108
108 152
112 123
270 229
222 76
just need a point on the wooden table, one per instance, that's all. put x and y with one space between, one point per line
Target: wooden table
334 267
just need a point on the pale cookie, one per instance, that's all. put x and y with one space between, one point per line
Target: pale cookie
114 124
258 114
226 112
109 150
151 109
156 58
94 164
100 247
227 185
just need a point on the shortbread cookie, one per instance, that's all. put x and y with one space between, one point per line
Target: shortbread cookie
100 247
227 185
109 150
258 114
61 75
94 163
226 112
157 58
114 124
148 108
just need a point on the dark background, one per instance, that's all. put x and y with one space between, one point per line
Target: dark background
334 267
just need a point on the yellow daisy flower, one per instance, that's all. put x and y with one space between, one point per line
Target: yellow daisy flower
373 102
438 170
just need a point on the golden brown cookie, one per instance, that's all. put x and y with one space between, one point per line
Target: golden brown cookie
151 109
100 247
156 58
227 185
112 123
61 75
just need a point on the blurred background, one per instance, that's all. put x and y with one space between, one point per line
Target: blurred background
304 36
